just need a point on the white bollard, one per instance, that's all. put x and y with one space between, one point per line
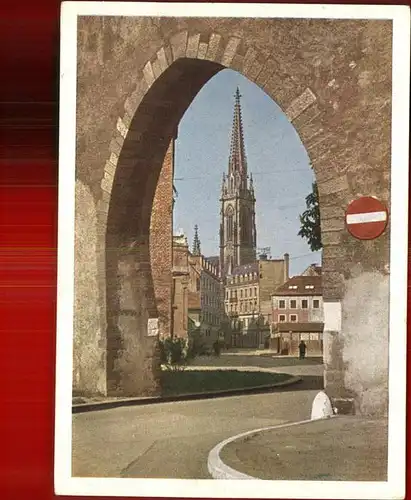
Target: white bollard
321 407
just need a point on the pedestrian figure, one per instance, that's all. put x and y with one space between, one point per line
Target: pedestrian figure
302 348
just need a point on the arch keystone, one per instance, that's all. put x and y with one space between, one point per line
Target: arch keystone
213 46
192 45
230 51
202 50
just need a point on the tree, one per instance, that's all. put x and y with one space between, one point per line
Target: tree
310 220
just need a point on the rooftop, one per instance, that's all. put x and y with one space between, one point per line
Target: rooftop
301 285
245 269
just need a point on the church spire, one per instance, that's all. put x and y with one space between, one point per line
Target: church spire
237 161
196 242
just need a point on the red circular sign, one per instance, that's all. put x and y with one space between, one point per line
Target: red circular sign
366 218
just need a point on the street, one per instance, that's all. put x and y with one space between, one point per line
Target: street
172 440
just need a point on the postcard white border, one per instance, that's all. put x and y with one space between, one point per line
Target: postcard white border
395 486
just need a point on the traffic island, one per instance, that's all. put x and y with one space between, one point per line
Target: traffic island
343 448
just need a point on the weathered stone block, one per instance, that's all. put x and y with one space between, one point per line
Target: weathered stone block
110 168
113 159
149 74
300 104
334 224
121 127
253 70
202 50
115 147
192 45
230 51
162 59
157 70
334 185
213 46
178 45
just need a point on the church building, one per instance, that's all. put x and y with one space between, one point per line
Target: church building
238 236
248 281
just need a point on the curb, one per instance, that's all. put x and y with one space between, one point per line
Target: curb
219 470
106 405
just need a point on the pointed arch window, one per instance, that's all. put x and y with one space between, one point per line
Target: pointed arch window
230 223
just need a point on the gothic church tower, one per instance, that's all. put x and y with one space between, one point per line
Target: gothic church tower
237 228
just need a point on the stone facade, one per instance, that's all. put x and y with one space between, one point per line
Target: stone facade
248 299
333 80
197 294
207 288
180 290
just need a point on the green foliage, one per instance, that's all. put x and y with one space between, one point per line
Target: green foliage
310 220
176 352
200 381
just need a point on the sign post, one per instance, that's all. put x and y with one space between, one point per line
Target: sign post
366 218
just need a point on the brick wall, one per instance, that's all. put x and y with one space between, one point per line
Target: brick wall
161 241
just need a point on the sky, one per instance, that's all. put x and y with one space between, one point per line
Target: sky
276 157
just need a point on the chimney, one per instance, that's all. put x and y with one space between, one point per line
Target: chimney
286 267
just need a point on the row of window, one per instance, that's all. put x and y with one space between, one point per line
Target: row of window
208 284
242 278
246 292
292 304
210 300
246 306
245 323
210 318
292 318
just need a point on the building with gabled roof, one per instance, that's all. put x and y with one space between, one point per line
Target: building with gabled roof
297 314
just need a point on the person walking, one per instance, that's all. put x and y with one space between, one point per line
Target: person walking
302 348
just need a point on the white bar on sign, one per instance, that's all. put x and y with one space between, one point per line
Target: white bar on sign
366 217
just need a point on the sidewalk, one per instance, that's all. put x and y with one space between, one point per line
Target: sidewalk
343 448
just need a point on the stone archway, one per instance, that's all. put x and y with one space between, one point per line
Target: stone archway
324 75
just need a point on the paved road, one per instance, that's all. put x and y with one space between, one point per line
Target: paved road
172 440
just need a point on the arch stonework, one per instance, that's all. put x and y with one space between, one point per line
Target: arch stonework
136 78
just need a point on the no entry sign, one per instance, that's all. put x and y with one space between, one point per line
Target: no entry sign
366 218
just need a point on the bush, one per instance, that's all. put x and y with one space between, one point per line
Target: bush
177 352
